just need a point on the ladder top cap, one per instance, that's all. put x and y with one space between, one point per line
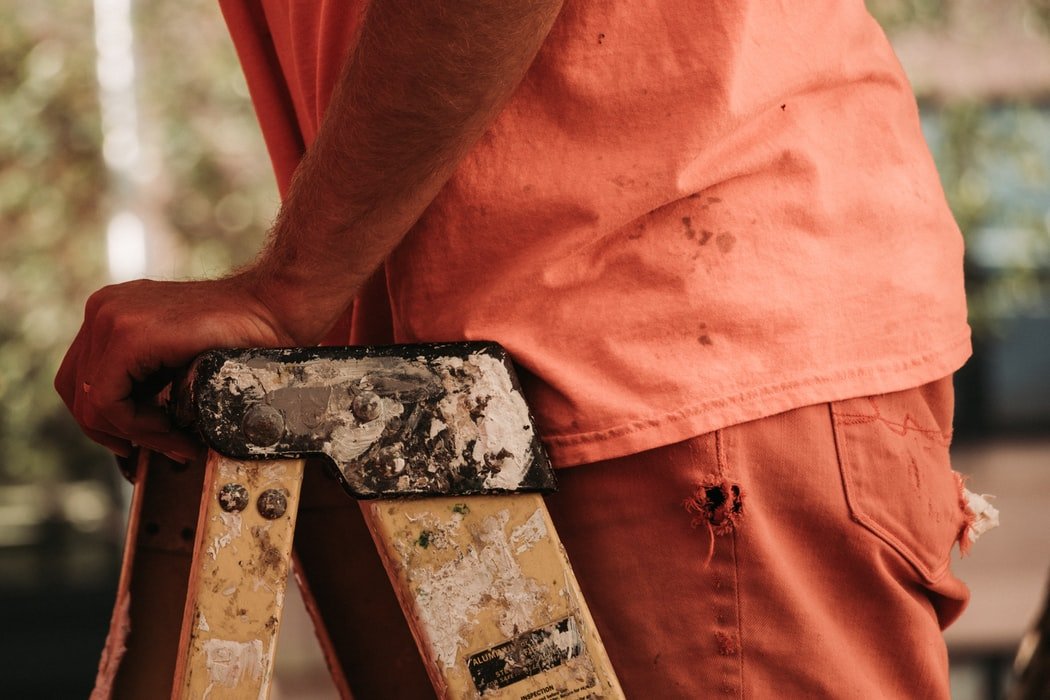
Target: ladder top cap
441 419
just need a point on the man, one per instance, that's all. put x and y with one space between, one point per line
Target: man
713 239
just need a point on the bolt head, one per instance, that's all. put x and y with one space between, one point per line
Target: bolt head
233 498
263 425
272 504
366 406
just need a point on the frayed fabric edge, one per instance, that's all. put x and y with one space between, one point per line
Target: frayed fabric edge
717 504
980 515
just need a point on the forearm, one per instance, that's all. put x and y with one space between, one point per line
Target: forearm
424 82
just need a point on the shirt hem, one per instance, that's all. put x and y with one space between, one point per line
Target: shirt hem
758 402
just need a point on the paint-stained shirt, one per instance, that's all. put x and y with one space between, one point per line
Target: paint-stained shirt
689 215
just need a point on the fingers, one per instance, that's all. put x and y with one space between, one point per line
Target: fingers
133 333
121 448
66 378
122 425
127 420
146 425
95 422
97 383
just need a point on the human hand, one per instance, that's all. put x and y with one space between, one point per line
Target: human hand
133 338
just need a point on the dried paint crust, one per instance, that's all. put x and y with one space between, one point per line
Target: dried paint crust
444 419
492 599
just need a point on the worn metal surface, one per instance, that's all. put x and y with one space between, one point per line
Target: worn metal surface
441 419
491 598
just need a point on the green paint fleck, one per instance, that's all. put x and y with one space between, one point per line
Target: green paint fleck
460 508
424 539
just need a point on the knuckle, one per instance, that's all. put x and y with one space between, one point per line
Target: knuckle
103 302
96 301
121 325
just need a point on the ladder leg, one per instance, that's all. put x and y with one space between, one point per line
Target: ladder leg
363 634
139 657
491 598
237 579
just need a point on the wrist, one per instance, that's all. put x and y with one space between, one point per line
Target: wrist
291 301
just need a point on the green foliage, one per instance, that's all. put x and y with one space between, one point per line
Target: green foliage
215 186
992 159
1038 15
52 206
993 162
220 194
895 14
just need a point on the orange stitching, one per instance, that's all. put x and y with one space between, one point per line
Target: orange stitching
909 424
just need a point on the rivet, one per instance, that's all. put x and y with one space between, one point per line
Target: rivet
233 498
393 425
263 425
272 504
366 406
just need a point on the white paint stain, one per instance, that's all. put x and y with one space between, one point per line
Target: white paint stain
273 471
261 583
450 597
504 426
568 640
264 687
351 439
202 623
436 426
231 530
529 533
230 662
228 470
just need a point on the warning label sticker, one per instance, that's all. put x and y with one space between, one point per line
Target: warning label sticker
526 655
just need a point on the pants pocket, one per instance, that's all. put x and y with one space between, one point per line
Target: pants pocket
897 475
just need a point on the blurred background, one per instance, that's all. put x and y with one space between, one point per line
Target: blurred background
128 148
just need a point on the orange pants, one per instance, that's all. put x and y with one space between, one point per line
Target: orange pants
801 555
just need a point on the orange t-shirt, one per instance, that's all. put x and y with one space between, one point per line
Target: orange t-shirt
689 215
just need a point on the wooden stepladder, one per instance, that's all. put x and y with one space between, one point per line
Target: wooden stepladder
439 440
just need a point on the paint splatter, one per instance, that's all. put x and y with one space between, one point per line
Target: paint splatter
727 645
690 233
229 662
725 241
